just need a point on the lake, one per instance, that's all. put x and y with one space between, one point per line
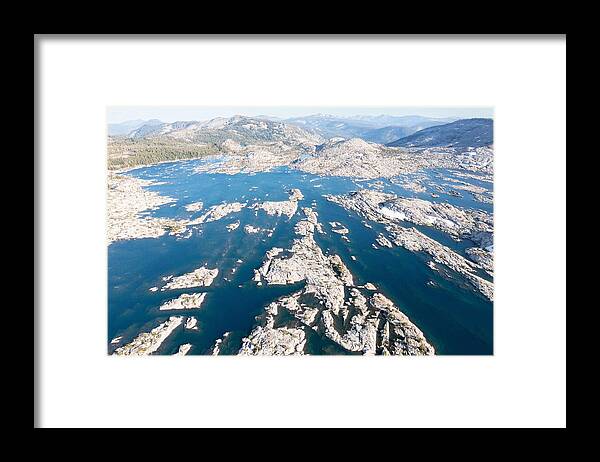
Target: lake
456 319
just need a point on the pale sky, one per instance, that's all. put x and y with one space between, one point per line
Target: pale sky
116 114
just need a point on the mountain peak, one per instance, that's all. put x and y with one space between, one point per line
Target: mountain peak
462 133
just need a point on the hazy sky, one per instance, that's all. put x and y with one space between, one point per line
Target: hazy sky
118 114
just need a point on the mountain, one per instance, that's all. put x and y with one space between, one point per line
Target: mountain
388 134
268 117
355 158
460 134
383 120
368 127
156 129
124 128
240 129
329 126
240 135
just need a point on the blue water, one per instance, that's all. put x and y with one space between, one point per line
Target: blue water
455 318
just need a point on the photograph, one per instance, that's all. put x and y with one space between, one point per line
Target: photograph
279 231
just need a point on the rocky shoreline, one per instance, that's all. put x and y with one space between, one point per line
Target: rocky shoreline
129 203
127 198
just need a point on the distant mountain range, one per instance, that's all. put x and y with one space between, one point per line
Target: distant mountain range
378 129
460 134
239 129
124 128
388 134
140 142
394 131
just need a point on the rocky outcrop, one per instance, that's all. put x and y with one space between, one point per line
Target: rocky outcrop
464 186
194 206
414 240
487 178
191 323
219 343
482 257
184 302
383 241
486 199
366 203
252 159
389 209
147 343
249 229
233 226
295 194
267 341
338 228
305 262
329 305
341 270
200 277
399 335
183 349
360 333
476 225
216 212
356 158
478 192
360 159
414 186
127 199
279 208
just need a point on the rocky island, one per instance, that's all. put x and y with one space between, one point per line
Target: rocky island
216 212
200 277
148 342
184 302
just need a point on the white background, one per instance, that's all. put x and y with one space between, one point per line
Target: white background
523 384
